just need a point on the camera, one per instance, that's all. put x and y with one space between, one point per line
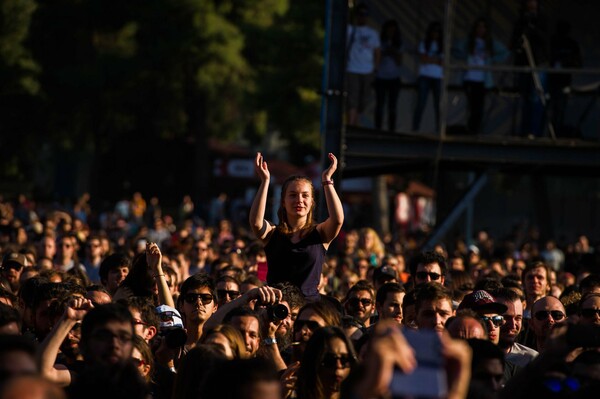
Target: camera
174 337
171 326
277 312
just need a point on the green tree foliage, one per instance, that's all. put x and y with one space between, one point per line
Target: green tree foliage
116 69
18 86
98 74
17 68
285 51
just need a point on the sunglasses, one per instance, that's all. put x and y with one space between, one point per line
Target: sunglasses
107 336
231 293
13 266
542 315
192 298
558 385
330 361
312 325
496 320
364 301
167 316
590 312
433 276
76 327
138 362
140 322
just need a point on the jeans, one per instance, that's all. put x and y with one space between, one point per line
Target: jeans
475 92
532 111
386 90
424 85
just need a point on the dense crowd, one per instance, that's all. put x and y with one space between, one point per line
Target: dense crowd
133 302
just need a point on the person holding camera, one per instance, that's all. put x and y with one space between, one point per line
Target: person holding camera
272 311
296 247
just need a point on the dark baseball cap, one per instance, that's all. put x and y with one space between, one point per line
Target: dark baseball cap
14 259
482 301
385 273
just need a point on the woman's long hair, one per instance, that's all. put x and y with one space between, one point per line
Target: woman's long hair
433 27
377 248
396 39
487 37
236 341
141 345
139 280
309 383
283 225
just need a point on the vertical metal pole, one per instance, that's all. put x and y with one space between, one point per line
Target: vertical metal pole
449 16
442 228
469 212
332 104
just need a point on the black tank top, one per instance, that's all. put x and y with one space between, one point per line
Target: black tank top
299 264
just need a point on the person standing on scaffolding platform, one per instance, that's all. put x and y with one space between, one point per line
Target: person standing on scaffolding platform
564 53
479 49
387 76
362 59
431 57
296 247
531 27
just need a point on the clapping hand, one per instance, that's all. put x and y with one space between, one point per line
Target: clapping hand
328 173
262 170
153 256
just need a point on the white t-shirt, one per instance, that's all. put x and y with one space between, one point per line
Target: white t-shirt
361 54
478 58
430 70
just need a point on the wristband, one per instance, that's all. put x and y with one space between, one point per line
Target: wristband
158 275
270 341
327 182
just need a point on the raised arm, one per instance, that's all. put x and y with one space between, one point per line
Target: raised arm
48 349
330 228
265 295
154 260
258 224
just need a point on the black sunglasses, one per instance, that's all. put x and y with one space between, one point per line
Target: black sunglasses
433 276
231 293
108 336
330 361
364 301
557 315
192 298
312 325
496 320
590 312
12 265
163 316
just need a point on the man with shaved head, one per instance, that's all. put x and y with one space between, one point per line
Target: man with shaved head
466 325
545 314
